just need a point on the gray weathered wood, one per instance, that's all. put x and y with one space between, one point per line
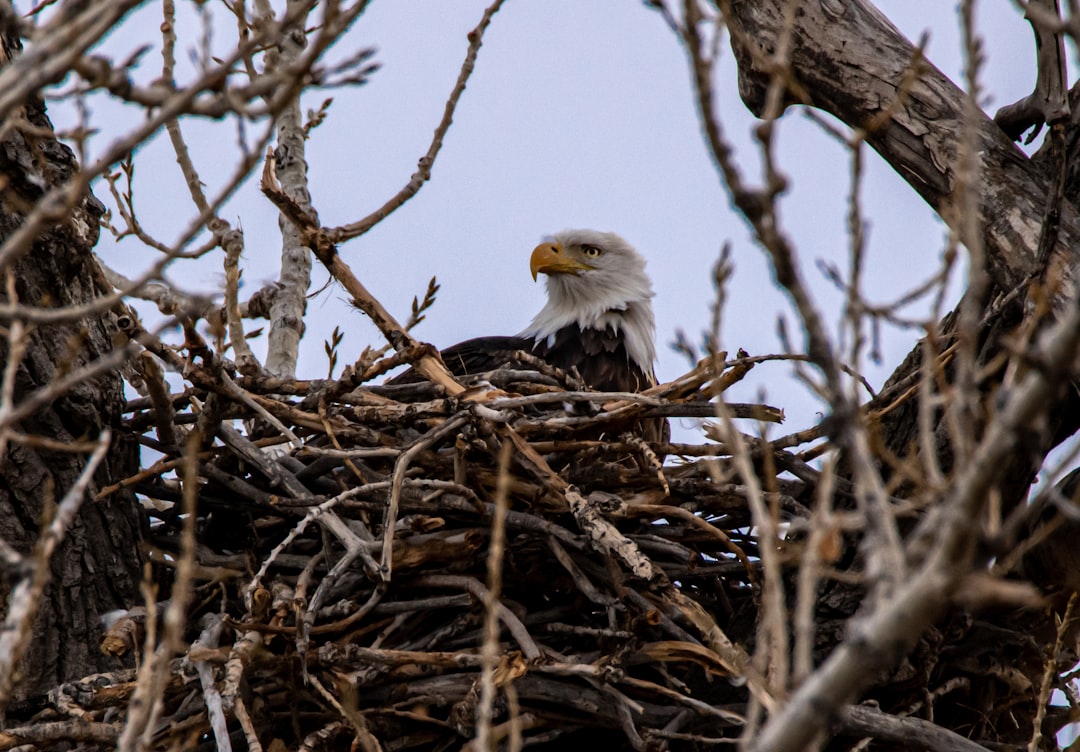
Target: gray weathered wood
853 62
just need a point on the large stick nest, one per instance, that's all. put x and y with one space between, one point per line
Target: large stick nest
342 565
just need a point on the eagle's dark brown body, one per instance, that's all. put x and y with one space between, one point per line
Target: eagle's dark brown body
599 356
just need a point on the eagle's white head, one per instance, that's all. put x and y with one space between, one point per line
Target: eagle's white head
596 280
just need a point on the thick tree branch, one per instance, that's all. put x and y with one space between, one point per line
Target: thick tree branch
912 733
853 62
1049 102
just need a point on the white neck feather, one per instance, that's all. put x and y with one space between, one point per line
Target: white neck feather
622 304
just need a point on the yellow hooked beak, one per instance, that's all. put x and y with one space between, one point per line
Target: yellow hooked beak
550 258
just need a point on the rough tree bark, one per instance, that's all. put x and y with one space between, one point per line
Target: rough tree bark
855 64
97 568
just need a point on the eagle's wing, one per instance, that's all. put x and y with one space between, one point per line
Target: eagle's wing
483 354
474 356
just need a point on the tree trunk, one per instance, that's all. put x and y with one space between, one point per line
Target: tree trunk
97 567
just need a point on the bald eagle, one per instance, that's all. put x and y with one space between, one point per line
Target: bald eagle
598 317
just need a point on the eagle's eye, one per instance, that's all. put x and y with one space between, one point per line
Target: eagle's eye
591 251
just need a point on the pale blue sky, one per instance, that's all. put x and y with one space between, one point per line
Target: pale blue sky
579 114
